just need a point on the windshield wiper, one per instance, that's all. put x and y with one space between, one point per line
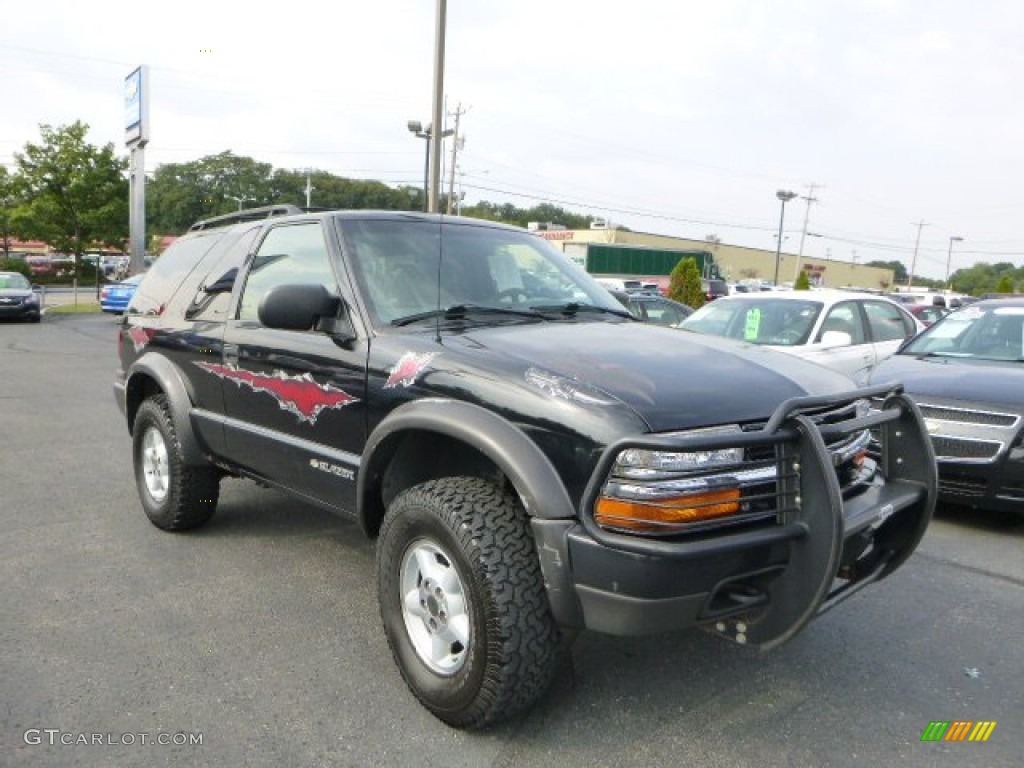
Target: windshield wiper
574 307
461 311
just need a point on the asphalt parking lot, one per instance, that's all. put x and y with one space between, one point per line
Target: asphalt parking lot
259 635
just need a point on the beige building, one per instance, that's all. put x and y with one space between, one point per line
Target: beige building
737 262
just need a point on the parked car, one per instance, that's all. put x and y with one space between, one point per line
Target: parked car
115 297
530 457
18 298
847 332
714 288
649 308
966 373
927 313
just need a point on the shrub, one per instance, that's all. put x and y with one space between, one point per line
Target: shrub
15 265
684 283
803 283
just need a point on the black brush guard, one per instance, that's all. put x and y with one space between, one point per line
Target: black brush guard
836 546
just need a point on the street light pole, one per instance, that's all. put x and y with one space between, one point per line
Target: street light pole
416 129
784 196
435 140
949 256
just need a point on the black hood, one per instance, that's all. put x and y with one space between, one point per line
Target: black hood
956 378
672 379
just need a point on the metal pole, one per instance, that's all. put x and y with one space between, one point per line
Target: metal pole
778 245
913 261
137 217
949 257
426 170
435 134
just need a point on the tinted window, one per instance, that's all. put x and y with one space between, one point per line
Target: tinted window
168 271
289 255
211 294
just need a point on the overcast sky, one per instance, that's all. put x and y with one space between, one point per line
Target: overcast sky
677 117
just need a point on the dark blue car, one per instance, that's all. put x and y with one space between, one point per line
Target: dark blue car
116 296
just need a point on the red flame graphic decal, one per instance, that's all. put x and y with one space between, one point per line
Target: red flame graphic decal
407 368
140 337
300 395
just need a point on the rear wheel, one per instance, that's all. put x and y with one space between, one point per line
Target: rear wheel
463 601
174 495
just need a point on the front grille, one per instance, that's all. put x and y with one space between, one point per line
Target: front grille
960 448
965 416
962 486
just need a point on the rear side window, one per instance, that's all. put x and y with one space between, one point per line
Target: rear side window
168 272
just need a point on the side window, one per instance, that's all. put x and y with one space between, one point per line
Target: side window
213 293
289 255
886 321
844 317
169 271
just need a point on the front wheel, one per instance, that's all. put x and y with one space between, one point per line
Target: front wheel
463 603
175 496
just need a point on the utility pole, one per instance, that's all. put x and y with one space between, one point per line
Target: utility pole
309 189
913 261
810 198
459 112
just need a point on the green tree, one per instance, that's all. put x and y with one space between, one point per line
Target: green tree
181 193
1005 284
899 271
75 194
803 283
9 200
684 283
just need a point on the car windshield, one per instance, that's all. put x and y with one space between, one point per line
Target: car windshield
407 268
982 332
780 322
14 281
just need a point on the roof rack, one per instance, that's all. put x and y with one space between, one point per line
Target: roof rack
249 214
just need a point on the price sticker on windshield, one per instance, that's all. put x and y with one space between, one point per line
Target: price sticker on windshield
753 325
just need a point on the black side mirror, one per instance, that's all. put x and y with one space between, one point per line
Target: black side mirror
222 284
297 307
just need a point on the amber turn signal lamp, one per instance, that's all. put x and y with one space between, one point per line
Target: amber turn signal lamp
674 510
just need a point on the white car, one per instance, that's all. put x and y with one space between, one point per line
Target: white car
844 331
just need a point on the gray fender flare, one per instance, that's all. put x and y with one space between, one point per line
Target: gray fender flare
516 455
173 384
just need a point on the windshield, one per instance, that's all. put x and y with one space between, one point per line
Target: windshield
780 322
12 280
987 333
408 268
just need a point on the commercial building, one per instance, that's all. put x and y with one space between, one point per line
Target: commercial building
736 262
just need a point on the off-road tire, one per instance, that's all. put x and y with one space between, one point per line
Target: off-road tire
484 532
190 493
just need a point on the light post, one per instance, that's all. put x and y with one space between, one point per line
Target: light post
416 129
949 256
241 200
784 196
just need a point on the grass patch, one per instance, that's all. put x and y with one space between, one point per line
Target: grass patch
83 307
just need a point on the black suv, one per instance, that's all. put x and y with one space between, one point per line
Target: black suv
532 460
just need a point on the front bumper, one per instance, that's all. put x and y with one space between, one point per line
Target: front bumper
20 311
759 584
